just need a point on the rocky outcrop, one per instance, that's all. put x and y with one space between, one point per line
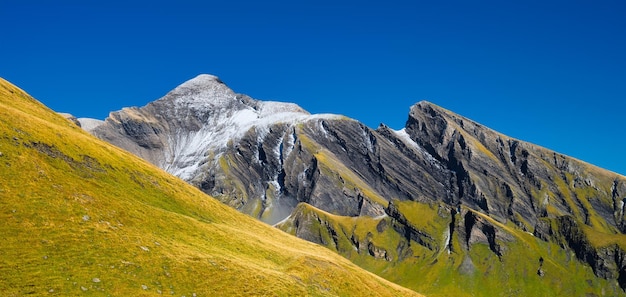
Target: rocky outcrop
511 180
475 230
70 118
317 226
410 232
606 261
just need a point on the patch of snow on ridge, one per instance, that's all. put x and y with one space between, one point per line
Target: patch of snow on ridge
89 124
230 125
273 107
406 138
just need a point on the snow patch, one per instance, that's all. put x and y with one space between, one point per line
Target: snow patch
269 108
290 142
367 141
320 127
227 125
447 239
89 124
406 138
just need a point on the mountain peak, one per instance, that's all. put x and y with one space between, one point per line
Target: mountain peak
201 90
202 80
429 109
426 105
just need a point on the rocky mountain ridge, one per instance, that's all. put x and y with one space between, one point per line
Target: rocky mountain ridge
477 186
200 115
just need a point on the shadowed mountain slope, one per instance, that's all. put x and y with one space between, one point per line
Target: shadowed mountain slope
80 216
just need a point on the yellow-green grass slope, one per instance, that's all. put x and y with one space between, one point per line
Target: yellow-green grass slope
81 217
460 272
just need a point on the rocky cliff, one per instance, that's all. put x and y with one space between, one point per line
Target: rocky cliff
444 192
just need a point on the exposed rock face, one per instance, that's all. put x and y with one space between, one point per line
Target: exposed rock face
510 179
266 158
178 131
70 118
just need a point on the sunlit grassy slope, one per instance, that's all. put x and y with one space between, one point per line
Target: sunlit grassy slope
460 272
81 217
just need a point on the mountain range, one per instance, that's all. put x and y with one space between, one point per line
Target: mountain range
444 206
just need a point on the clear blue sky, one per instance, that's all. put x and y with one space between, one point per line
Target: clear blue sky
553 73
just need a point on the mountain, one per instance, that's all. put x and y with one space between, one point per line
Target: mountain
80 216
260 157
444 206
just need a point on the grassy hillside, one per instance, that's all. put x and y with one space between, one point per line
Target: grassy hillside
528 266
80 216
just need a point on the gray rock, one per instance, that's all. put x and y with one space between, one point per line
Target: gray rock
70 118
467 266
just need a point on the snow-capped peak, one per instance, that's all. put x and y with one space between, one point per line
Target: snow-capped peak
201 80
197 118
204 89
